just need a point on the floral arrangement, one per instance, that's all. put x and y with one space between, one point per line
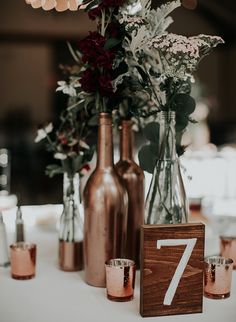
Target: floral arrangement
133 67
67 140
102 57
165 63
105 81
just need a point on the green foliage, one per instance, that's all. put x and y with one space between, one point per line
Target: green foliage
93 121
53 169
70 165
148 154
111 42
148 157
91 4
151 132
183 104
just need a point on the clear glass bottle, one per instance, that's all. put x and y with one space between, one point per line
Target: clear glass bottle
166 202
71 227
4 257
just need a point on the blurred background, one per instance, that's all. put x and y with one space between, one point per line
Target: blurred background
33 45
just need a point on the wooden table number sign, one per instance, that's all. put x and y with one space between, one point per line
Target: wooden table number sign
172 259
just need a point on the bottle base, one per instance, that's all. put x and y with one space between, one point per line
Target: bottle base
120 299
217 296
70 256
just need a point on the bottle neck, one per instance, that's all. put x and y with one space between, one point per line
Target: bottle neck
167 136
126 140
105 142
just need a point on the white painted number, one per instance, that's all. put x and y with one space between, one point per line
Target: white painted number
182 264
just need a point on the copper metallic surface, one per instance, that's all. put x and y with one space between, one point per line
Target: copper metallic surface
217 277
189 4
228 248
133 178
105 207
71 256
23 260
120 279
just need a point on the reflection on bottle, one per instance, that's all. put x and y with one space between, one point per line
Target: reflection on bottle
4 172
4 258
19 226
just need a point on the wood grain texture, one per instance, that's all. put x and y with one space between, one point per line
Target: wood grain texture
159 265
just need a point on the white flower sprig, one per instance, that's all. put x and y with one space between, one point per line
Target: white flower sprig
43 132
142 28
160 55
69 87
183 53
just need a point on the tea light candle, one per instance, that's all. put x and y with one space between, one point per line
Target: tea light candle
120 279
217 277
23 260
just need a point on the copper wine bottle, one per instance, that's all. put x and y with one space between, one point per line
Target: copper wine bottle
105 206
133 177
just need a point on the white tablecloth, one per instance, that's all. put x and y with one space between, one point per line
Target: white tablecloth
57 296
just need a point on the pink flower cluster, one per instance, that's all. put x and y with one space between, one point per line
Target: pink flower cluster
184 51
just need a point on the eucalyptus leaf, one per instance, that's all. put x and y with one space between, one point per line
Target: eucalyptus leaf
181 122
154 147
93 120
180 149
184 104
53 169
77 163
147 158
88 154
111 42
151 132
91 5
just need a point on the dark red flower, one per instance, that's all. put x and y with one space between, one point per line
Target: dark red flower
105 59
113 30
105 85
94 13
88 81
111 3
86 167
91 46
62 138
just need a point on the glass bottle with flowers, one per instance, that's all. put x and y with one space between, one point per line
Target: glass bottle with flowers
67 141
105 197
165 63
103 63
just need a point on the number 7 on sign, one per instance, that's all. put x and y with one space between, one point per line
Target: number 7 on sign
181 266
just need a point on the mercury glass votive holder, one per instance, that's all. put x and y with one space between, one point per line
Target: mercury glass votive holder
228 248
217 277
23 260
120 279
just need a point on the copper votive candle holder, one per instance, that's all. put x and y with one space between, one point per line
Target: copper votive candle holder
228 248
217 277
23 260
120 279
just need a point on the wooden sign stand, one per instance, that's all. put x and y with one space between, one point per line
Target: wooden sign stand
172 259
